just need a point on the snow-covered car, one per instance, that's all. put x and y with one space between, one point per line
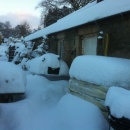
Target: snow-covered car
48 63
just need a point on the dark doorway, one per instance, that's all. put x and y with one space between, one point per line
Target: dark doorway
53 70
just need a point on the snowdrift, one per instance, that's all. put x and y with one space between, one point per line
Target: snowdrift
12 79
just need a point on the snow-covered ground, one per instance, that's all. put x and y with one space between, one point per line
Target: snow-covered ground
47 105
3 49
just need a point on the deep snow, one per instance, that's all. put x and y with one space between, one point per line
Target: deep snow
117 99
12 79
101 70
46 105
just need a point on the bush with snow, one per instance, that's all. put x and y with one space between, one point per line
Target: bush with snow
19 48
39 65
3 52
22 51
101 70
41 49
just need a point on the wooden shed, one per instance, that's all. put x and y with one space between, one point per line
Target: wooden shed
99 28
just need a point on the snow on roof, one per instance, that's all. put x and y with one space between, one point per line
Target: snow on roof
91 12
117 99
101 70
13 79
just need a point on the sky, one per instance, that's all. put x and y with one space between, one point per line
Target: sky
17 11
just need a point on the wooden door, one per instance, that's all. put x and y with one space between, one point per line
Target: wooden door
89 45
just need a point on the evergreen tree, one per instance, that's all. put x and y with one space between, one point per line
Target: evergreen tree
7 25
23 29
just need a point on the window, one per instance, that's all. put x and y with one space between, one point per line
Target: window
89 45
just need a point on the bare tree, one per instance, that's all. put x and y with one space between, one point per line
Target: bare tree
56 5
55 14
49 4
46 5
23 29
75 4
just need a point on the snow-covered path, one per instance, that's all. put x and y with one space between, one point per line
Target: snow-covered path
48 106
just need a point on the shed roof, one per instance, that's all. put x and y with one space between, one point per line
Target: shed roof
89 13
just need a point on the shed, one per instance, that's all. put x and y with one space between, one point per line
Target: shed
99 28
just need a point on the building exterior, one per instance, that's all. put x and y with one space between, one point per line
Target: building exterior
99 28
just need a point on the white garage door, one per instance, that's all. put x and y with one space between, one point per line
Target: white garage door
89 45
